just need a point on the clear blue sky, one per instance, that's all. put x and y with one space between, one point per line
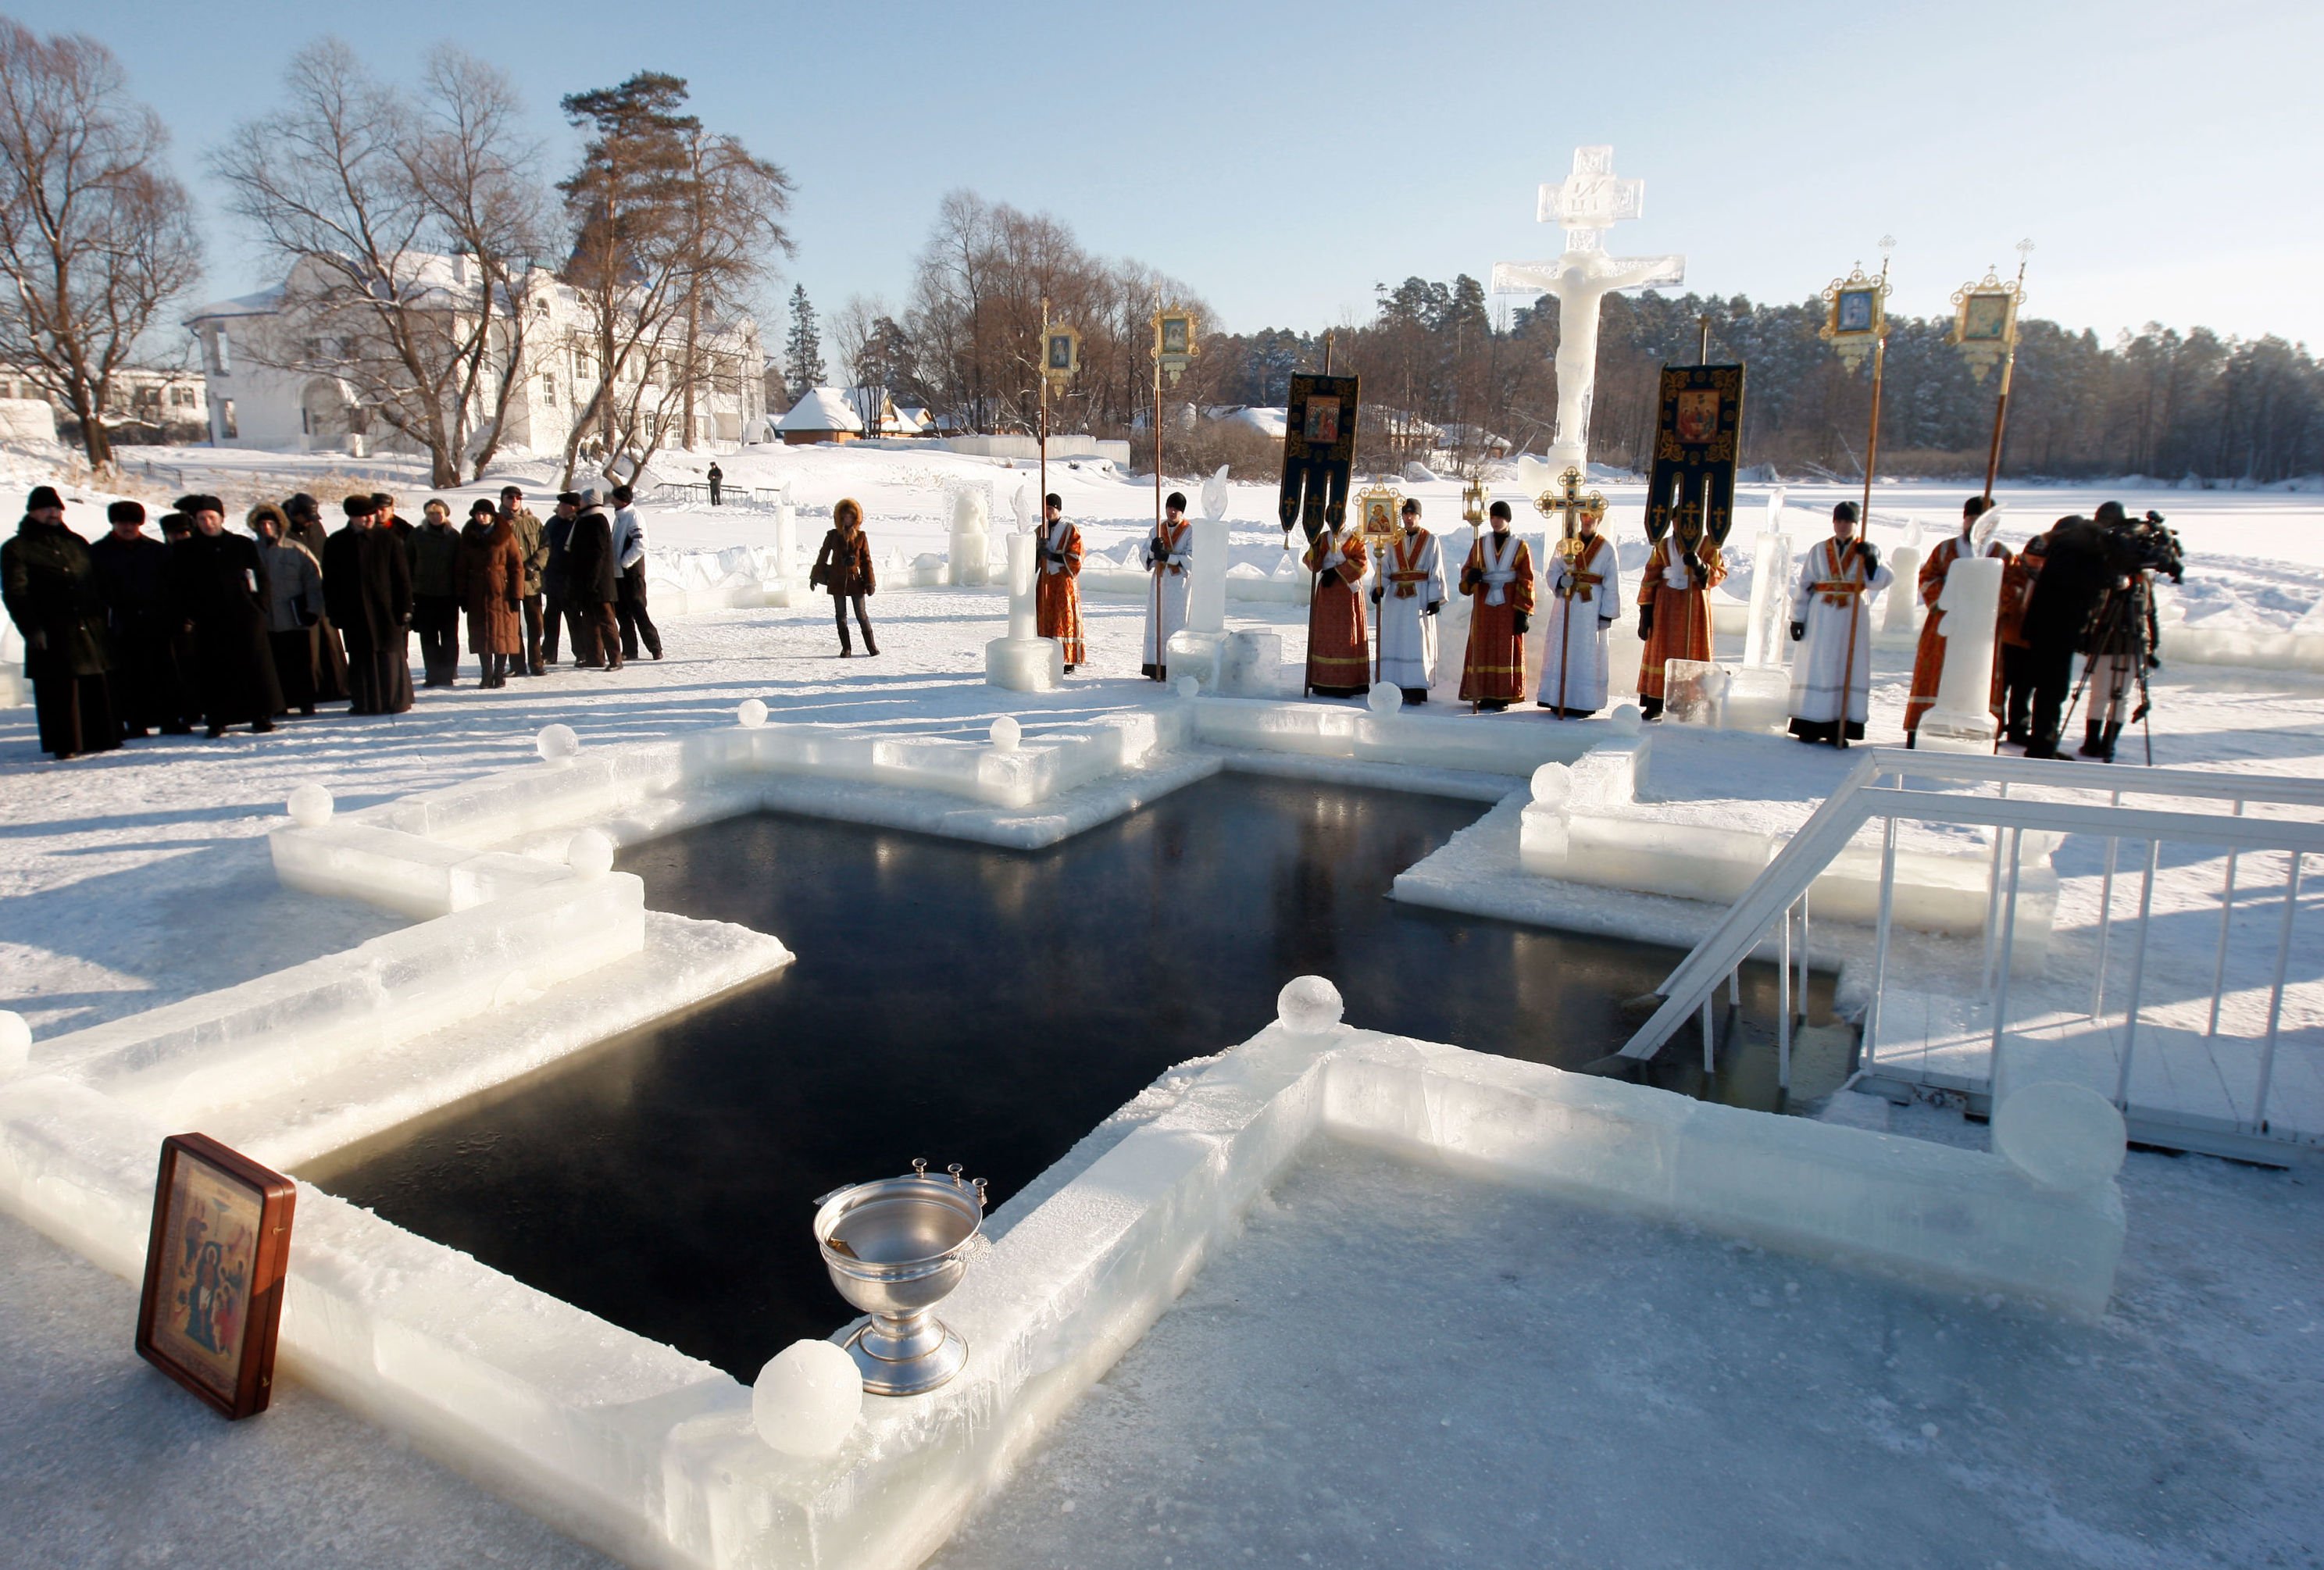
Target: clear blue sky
2165 158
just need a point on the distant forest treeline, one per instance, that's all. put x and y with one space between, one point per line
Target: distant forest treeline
1435 366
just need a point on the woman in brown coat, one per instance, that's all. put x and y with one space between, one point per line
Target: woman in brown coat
488 580
844 566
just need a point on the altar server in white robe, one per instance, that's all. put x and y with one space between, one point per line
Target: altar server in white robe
1831 621
1585 596
1169 561
1409 593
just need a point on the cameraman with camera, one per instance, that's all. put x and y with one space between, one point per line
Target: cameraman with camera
2095 597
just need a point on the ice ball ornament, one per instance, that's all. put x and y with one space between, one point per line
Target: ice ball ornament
1625 719
1385 698
1552 784
751 714
557 744
15 1044
590 854
1308 1004
807 1400
1188 686
309 807
2062 1136
1006 734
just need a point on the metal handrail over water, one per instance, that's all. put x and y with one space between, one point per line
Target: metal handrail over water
2008 797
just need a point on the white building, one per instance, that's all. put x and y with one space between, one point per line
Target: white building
147 403
274 373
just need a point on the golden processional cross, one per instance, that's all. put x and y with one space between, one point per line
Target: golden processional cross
1569 503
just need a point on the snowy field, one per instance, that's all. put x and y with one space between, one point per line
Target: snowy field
141 876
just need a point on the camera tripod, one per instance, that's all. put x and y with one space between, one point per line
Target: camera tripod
2125 624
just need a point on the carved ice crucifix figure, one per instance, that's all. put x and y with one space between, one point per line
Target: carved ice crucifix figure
1589 202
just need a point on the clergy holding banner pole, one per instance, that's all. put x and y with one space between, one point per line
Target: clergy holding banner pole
1831 678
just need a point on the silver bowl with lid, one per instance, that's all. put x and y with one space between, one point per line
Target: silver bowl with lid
895 1249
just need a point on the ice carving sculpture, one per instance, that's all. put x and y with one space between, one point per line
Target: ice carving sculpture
310 805
1308 1005
1962 721
751 714
557 744
590 854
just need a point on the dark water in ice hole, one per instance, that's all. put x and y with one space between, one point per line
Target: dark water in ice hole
982 1006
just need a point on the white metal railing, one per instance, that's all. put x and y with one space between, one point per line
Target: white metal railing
2010 797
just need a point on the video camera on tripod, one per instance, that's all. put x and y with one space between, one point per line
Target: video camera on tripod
2142 545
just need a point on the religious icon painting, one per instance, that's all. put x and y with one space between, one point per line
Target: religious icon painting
1698 414
1322 424
1985 318
1177 332
215 1261
1062 355
1855 312
1380 508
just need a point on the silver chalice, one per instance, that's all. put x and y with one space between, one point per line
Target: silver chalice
896 1249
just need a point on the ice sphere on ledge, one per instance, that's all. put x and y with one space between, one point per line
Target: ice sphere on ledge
805 1401
2063 1136
751 714
557 744
1625 719
590 854
1007 734
1385 698
1552 784
310 805
1308 1004
15 1043
1187 686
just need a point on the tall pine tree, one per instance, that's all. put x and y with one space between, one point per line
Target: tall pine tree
803 348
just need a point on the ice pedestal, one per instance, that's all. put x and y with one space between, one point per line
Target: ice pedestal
1700 692
1899 620
969 564
1962 721
1024 662
1250 665
1200 655
1766 634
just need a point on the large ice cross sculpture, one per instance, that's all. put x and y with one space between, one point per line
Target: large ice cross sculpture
1590 201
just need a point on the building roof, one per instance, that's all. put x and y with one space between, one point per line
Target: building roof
821 409
265 302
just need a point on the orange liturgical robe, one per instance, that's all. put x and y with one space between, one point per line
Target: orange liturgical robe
1681 615
1056 595
1498 577
1338 665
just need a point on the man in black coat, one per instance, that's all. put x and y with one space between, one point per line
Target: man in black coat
2076 574
49 587
555 536
367 587
150 689
218 583
591 584
305 515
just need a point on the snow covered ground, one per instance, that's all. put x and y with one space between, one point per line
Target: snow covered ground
141 876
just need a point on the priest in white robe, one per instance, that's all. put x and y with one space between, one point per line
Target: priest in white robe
1585 596
1831 621
1169 562
1409 592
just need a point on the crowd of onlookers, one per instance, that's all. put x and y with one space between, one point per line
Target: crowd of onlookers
206 627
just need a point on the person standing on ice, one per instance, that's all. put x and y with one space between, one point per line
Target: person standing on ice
591 584
219 586
717 477
1929 655
1674 608
305 530
367 584
1169 552
1585 596
532 540
1832 620
844 568
132 577
294 604
1498 577
1410 593
50 585
1056 588
630 557
1336 665
489 580
2017 581
434 550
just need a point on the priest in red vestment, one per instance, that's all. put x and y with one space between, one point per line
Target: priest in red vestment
1498 579
1057 591
1339 662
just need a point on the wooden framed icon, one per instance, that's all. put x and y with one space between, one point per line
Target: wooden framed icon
1379 508
215 1261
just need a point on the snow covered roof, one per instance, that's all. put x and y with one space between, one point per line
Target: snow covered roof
265 302
1268 422
821 409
